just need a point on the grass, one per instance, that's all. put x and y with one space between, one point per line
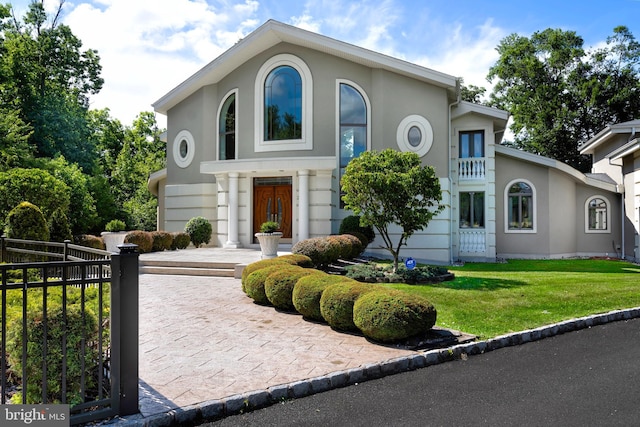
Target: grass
494 299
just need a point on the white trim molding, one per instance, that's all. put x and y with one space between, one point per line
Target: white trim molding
184 148
534 209
606 230
306 140
426 135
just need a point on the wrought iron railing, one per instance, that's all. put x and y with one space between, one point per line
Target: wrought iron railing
67 314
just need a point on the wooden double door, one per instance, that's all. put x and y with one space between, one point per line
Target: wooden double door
272 203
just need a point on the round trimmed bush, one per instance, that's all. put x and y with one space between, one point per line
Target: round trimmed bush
352 224
308 291
336 303
355 245
143 239
199 230
254 266
388 315
316 248
297 259
279 286
181 240
90 241
162 241
27 222
253 285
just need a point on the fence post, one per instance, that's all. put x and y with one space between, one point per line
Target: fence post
2 249
125 327
65 252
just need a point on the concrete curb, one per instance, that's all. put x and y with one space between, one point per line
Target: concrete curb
216 409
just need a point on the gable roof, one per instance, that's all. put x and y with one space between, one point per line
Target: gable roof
631 127
500 117
272 33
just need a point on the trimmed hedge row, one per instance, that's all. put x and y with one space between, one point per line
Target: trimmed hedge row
379 313
326 250
147 241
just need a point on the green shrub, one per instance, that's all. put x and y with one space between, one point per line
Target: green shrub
162 241
254 266
27 222
388 315
316 248
336 304
355 246
90 241
115 225
308 291
59 229
181 240
254 283
143 239
269 227
74 326
199 230
361 237
279 286
373 273
351 224
297 259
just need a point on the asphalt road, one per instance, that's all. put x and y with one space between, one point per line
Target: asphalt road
586 378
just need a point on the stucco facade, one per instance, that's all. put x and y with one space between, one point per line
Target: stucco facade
227 162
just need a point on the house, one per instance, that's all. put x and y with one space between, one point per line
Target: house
264 132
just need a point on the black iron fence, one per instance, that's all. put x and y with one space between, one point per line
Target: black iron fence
69 327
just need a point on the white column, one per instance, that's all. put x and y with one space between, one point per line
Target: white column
303 204
232 217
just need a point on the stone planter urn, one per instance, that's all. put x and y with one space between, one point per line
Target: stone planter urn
269 244
269 237
112 239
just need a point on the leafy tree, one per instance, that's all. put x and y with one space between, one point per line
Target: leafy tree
15 150
472 93
559 95
49 78
392 187
36 186
142 153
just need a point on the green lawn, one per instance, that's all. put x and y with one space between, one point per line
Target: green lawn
493 299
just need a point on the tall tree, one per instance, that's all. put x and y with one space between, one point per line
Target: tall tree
50 78
560 95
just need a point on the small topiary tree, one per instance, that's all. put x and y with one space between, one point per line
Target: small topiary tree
308 291
336 303
27 222
199 230
389 315
59 229
279 286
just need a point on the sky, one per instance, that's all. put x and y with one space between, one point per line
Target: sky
148 47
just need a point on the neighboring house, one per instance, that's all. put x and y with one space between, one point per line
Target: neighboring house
265 130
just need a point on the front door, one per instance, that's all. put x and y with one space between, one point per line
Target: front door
272 202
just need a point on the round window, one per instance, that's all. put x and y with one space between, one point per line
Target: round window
183 148
415 134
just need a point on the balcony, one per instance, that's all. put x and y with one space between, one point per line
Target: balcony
472 240
471 168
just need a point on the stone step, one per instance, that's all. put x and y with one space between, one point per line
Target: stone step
213 269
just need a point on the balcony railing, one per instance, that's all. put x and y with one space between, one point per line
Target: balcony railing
472 240
471 168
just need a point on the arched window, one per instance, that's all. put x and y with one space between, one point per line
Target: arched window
353 124
283 104
597 215
520 207
227 128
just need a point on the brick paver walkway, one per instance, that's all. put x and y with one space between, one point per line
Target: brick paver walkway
202 338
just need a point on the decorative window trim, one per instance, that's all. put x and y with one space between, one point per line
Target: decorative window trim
367 103
222 102
306 141
586 215
534 208
184 161
426 133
